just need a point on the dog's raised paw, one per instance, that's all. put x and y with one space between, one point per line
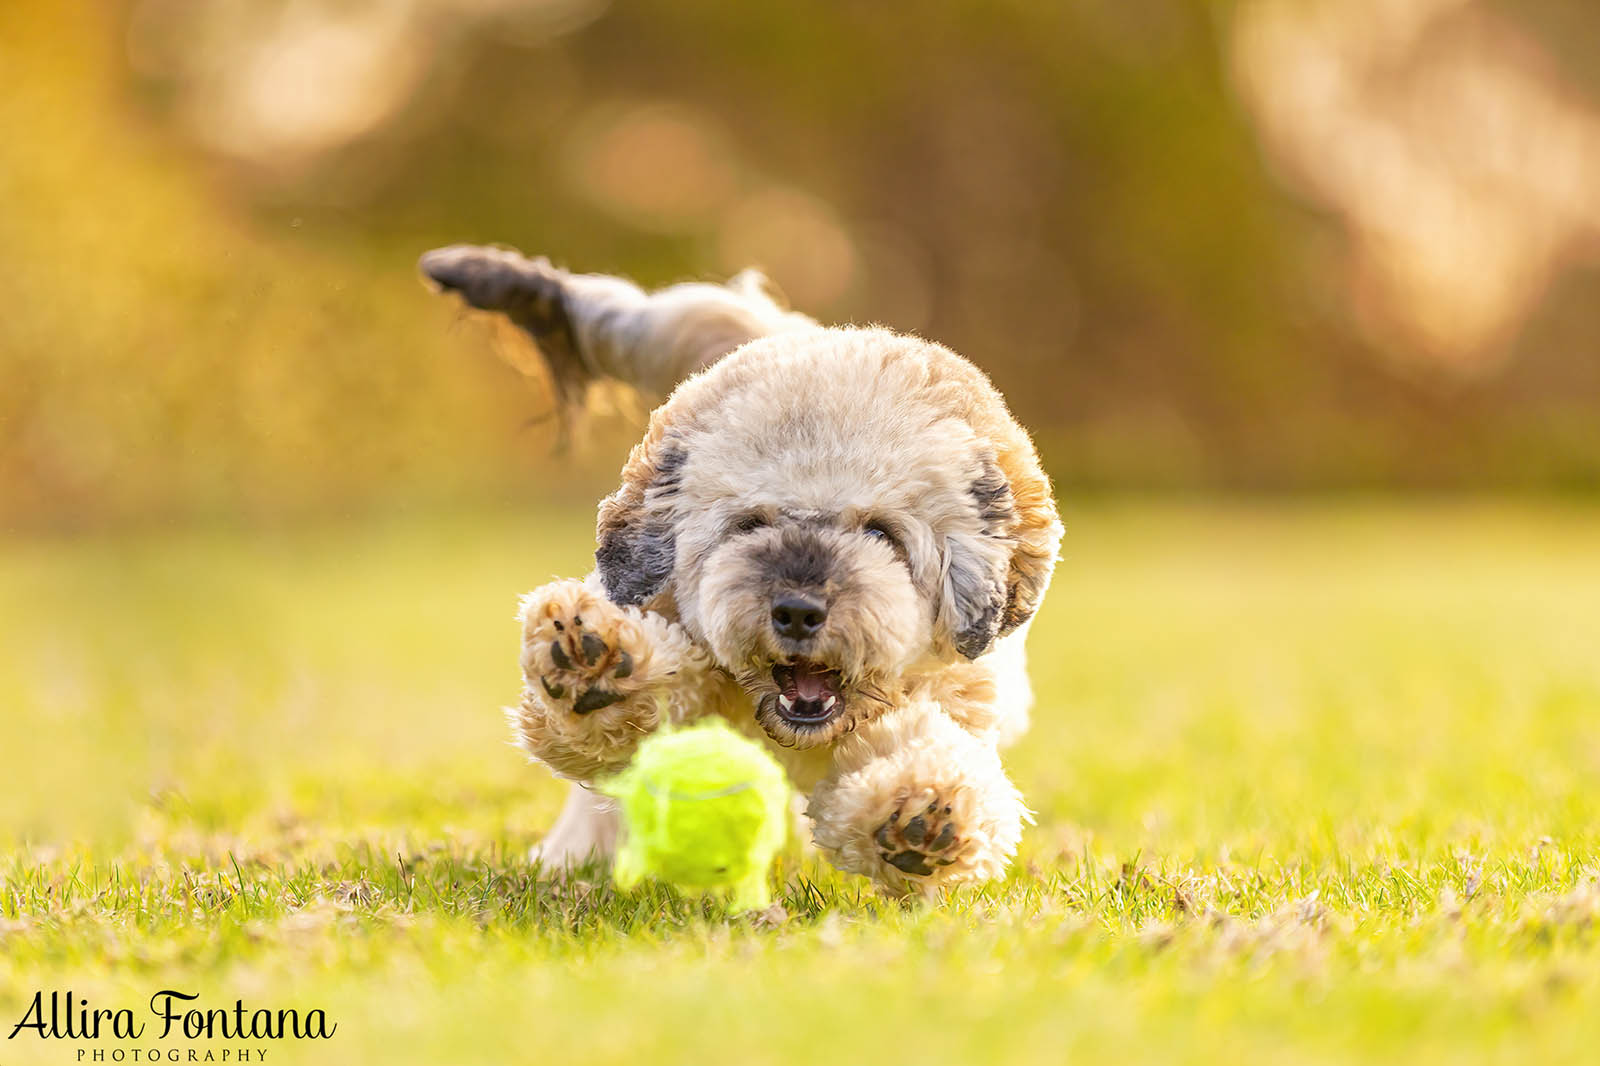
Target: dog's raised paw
574 645
920 836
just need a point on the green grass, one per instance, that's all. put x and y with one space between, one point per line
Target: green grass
1314 784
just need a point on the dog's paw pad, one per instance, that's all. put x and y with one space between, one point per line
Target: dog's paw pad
592 648
595 699
559 656
918 839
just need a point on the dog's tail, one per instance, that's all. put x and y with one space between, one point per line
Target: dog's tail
590 327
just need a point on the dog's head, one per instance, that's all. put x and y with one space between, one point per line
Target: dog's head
828 511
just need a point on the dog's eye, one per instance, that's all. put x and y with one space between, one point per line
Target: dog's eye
750 523
878 531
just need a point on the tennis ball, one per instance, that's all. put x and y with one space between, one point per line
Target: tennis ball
703 808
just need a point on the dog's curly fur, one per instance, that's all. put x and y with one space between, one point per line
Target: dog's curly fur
834 538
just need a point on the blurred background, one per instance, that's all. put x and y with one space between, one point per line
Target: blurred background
1271 245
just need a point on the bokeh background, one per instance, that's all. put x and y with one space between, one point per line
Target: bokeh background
1272 245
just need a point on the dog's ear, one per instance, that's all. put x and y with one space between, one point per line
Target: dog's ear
994 579
637 548
1035 533
974 592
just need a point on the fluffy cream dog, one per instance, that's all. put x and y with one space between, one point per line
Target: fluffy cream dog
834 538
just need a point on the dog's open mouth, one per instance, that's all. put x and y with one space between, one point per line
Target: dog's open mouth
808 692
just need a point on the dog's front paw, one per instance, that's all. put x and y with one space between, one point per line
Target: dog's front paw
920 836
916 802
575 647
589 681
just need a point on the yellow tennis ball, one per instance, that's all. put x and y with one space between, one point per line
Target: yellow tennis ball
703 808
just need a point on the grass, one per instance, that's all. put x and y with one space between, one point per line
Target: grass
1314 783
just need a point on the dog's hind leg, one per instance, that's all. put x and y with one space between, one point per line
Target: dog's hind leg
916 802
592 326
585 831
598 678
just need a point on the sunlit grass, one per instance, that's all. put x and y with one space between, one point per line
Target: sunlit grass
1313 784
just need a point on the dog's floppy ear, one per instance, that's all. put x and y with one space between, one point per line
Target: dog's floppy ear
974 593
977 565
994 579
1035 535
637 548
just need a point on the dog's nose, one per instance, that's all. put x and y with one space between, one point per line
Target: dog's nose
798 617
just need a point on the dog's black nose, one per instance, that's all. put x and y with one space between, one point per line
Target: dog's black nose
798 617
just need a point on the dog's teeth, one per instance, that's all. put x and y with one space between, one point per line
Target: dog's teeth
785 703
827 704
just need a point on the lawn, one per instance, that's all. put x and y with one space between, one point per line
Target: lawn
1314 783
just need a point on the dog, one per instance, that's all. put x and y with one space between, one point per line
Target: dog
834 538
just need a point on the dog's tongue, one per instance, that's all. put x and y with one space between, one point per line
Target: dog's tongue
811 682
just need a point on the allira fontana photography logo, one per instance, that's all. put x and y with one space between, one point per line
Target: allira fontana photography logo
171 1015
